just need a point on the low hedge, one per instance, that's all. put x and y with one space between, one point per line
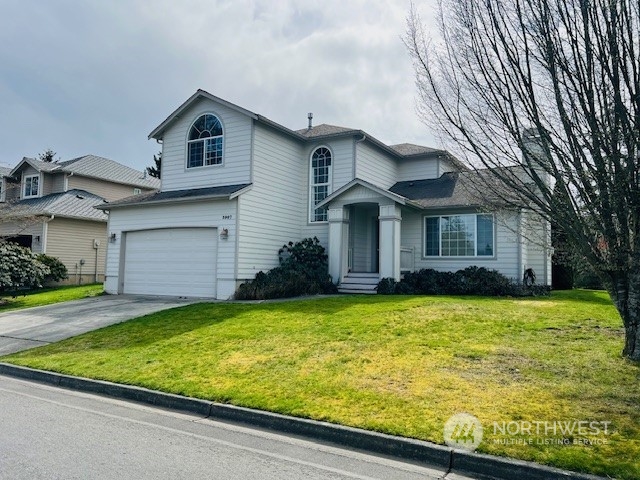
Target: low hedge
470 281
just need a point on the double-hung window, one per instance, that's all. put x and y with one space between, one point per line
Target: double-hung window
31 186
470 235
205 142
320 183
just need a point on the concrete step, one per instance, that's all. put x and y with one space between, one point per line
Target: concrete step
356 292
364 283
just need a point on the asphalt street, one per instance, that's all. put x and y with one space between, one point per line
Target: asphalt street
33 327
51 433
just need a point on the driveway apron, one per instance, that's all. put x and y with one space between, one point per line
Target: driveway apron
33 327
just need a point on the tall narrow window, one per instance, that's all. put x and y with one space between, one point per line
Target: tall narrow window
320 182
205 142
31 184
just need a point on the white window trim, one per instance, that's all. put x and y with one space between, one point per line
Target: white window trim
312 185
24 186
475 238
189 142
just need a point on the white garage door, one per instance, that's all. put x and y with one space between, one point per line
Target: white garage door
175 261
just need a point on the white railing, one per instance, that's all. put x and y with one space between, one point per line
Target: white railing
407 259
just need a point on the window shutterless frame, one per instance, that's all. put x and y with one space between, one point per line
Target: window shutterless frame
205 142
31 186
459 236
320 173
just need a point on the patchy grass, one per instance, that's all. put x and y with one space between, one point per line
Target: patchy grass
395 364
47 296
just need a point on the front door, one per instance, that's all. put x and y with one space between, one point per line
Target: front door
364 238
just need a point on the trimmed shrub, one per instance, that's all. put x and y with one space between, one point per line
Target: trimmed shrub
470 281
20 268
57 269
302 271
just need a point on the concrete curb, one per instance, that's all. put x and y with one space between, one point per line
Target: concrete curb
453 461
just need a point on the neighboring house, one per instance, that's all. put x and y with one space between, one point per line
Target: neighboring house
49 208
236 186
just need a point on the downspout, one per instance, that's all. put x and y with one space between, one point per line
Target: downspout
355 149
45 231
519 240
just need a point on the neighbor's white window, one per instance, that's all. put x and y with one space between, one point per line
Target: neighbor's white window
205 142
31 185
320 183
468 235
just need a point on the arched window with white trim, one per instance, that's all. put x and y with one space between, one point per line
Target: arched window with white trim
320 183
205 142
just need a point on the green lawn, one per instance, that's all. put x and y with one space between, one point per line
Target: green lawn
401 365
47 296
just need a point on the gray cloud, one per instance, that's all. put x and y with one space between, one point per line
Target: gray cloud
97 77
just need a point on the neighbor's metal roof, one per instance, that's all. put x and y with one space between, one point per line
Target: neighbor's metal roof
71 204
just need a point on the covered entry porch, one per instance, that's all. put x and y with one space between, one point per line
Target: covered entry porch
364 236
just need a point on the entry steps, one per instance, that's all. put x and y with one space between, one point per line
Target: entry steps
359 283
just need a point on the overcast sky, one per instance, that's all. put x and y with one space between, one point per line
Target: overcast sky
97 76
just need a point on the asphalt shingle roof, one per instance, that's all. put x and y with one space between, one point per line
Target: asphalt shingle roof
323 130
4 171
72 204
176 195
407 149
452 189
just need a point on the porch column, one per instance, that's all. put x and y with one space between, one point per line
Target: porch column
390 218
338 240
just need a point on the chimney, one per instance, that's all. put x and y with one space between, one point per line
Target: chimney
310 117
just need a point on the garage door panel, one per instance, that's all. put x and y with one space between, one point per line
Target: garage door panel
179 261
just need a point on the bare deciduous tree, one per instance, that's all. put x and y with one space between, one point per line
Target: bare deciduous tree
568 72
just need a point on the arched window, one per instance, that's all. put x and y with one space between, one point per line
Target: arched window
320 182
205 142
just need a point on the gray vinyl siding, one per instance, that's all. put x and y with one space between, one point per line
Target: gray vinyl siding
236 167
273 212
446 166
374 166
417 169
57 182
72 240
505 237
108 190
535 238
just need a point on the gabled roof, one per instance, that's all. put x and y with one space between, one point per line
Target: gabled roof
370 186
193 194
173 116
93 166
77 204
319 132
39 165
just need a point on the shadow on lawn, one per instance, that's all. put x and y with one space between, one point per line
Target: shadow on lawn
162 327
600 297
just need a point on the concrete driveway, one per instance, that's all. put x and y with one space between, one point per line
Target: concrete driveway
33 327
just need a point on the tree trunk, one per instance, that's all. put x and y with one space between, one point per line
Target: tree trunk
626 297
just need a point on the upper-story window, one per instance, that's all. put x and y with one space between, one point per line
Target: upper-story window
31 186
320 182
205 142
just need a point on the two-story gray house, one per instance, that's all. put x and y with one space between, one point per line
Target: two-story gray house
236 186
